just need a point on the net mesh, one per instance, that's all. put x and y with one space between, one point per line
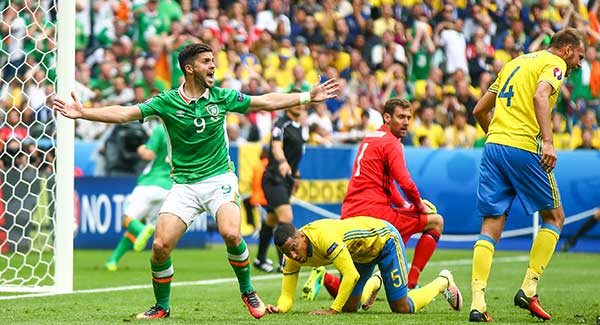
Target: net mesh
27 173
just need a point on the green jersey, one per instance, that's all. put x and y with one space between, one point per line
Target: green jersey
196 130
158 171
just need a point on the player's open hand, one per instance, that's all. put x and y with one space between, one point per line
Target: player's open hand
272 309
548 160
71 110
323 312
323 91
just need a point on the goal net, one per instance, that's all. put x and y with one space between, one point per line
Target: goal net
30 235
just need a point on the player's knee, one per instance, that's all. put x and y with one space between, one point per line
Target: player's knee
285 219
352 304
435 222
350 309
401 307
555 217
231 237
126 221
160 250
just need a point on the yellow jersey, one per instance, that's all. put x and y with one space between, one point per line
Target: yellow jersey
514 123
434 132
341 242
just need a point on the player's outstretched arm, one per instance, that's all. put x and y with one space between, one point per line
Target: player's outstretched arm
107 114
483 110
274 101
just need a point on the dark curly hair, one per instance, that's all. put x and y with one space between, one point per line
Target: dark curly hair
188 54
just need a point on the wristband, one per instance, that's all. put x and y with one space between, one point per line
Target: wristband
305 98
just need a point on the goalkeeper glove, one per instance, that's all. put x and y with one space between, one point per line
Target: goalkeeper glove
427 207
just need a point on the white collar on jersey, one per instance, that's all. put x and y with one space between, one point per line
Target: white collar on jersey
189 99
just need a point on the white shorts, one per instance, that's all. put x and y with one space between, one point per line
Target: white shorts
188 201
145 202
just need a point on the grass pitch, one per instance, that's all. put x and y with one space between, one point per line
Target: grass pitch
205 291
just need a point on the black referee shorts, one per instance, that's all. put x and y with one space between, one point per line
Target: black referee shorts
277 189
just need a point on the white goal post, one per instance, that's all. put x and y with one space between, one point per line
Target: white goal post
37 208
65 152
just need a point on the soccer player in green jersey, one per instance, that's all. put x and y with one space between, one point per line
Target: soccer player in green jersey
518 160
147 197
203 173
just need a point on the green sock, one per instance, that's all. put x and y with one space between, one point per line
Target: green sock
134 226
162 275
238 258
125 244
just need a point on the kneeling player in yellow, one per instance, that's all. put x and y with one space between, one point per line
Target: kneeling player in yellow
355 246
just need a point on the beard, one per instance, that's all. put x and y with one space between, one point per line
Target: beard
201 81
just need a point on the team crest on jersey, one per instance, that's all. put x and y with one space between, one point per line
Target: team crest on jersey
557 73
213 110
332 248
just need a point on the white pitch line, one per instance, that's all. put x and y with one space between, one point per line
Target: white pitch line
511 259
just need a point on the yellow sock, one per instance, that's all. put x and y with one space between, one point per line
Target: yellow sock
539 257
374 283
483 252
530 282
423 296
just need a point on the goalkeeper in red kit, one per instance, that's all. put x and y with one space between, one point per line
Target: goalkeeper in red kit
372 191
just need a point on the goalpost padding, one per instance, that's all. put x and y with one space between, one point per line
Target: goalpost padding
36 192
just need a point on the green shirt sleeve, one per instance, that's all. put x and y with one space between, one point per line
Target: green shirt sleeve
152 106
236 101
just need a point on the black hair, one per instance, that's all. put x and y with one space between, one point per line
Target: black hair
189 53
282 233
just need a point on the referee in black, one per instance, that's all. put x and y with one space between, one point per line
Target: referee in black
281 178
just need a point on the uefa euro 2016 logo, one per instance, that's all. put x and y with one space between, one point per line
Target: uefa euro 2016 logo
557 73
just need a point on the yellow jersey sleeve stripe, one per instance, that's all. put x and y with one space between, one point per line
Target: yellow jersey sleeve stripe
366 235
365 230
369 232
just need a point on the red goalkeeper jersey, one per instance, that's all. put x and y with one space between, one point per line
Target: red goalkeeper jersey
379 162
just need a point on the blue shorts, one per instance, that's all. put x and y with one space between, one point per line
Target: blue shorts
393 266
507 173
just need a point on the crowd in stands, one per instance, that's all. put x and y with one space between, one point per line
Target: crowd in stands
440 54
